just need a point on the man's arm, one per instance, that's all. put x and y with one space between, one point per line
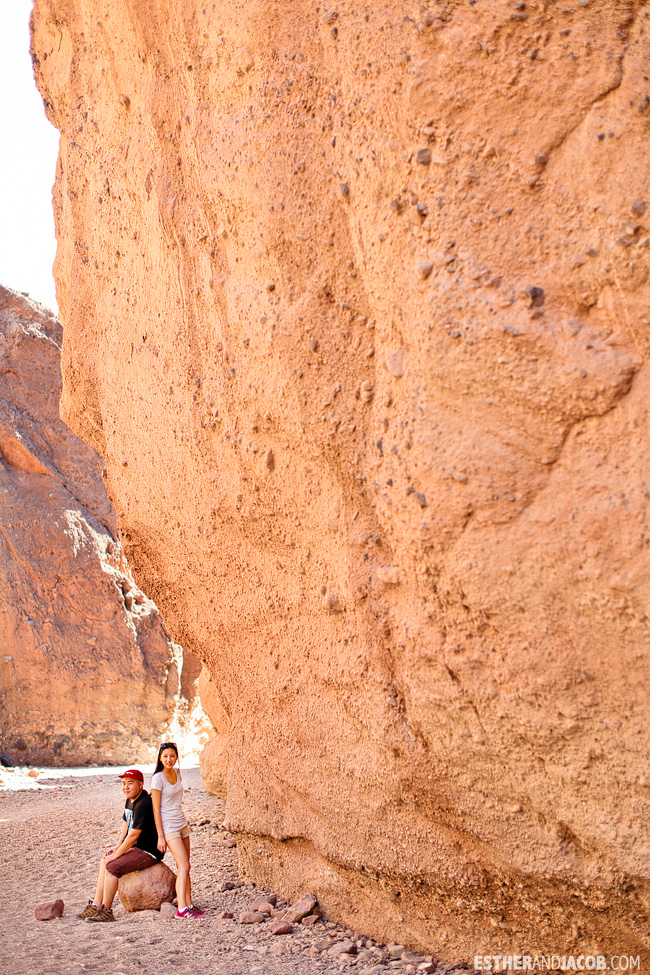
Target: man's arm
126 842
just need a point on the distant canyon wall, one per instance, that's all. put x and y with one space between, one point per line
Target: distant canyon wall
355 306
88 673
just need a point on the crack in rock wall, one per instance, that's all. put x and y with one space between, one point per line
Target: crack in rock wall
355 309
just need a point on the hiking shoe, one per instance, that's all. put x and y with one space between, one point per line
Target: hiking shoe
106 914
196 911
186 915
89 910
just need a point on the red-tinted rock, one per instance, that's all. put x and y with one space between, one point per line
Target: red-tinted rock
251 917
301 908
85 675
49 911
280 927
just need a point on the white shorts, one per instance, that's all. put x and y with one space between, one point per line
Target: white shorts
183 833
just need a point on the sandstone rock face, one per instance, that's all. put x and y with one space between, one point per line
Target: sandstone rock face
355 302
147 890
88 673
213 762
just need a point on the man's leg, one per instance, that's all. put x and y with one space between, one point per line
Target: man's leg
109 889
99 893
134 859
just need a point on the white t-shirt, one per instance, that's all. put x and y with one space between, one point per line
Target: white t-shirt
171 797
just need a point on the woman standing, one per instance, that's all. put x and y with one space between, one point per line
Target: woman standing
173 828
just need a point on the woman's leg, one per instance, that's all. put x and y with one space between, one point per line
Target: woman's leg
181 856
188 888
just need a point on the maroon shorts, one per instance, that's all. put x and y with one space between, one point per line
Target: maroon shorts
134 859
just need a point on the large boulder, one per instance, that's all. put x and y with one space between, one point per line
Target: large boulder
88 673
355 300
146 890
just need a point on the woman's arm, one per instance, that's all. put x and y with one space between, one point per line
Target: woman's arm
155 802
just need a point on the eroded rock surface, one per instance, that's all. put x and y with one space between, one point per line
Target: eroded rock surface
88 673
355 302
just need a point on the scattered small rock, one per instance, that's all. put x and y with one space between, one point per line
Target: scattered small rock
308 902
49 911
225 916
251 917
262 906
167 911
395 951
279 949
280 927
310 920
270 900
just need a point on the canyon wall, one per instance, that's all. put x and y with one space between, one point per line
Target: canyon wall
88 674
355 305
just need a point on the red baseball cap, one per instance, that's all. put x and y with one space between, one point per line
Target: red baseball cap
132 773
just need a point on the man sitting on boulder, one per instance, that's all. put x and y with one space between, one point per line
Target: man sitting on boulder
137 847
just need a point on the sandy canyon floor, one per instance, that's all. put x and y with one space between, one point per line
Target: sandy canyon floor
51 839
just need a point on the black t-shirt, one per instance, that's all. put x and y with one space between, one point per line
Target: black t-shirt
138 814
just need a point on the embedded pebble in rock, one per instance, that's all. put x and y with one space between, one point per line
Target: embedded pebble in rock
366 391
395 363
332 603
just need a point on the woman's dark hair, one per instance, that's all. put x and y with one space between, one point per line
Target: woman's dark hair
165 744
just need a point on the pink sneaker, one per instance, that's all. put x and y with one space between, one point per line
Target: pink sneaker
186 914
